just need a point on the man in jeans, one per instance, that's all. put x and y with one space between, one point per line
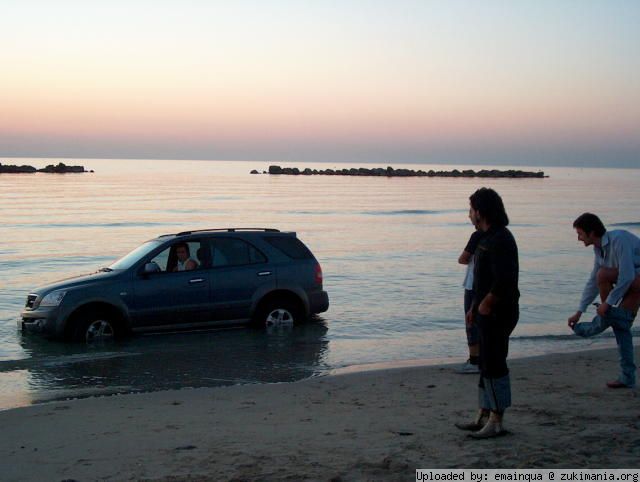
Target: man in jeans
616 278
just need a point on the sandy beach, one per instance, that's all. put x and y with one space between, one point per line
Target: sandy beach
376 425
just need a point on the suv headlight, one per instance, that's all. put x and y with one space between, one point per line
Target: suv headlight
53 299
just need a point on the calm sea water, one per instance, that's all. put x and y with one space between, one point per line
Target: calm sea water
388 249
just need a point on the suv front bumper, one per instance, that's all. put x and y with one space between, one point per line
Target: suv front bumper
41 320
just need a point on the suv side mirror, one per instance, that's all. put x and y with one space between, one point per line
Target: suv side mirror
151 268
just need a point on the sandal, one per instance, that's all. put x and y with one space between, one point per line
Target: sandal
617 384
470 426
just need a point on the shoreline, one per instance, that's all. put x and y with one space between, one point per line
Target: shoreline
18 400
601 343
377 425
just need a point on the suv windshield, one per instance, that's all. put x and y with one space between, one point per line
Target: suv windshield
130 259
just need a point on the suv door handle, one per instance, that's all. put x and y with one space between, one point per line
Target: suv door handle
264 273
196 280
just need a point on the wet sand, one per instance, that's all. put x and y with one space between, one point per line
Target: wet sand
376 425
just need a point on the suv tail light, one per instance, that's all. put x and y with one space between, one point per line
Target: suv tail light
318 273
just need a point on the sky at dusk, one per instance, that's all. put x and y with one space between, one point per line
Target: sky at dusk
503 82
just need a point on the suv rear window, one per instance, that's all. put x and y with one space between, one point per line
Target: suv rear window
290 246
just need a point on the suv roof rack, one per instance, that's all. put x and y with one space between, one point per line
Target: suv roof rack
228 230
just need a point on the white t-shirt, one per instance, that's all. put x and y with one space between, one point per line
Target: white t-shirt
471 248
182 266
468 277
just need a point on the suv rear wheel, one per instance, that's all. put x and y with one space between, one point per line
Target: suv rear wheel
279 312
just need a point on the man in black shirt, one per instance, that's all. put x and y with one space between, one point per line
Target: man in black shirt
494 310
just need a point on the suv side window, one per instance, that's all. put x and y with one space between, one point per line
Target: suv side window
167 260
234 252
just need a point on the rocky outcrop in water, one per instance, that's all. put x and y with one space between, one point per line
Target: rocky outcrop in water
60 168
391 172
13 169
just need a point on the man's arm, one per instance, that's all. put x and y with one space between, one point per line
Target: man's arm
465 257
590 289
470 248
504 267
573 319
486 305
190 265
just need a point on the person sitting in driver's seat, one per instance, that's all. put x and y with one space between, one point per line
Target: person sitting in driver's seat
185 263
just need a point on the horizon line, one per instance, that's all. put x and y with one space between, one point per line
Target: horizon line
540 164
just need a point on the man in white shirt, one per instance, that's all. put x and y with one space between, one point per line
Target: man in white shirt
616 278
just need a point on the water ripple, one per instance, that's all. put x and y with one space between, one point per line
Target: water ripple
410 212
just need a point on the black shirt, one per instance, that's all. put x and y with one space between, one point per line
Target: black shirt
496 267
474 239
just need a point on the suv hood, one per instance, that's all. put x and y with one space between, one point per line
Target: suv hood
75 281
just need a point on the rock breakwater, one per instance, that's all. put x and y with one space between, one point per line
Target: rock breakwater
60 168
391 172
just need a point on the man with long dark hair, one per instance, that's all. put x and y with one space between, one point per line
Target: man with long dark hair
616 278
494 310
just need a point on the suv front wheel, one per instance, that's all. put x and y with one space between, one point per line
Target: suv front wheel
94 327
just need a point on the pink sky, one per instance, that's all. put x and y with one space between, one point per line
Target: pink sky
414 81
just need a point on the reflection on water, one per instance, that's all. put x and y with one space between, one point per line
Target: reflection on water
165 361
